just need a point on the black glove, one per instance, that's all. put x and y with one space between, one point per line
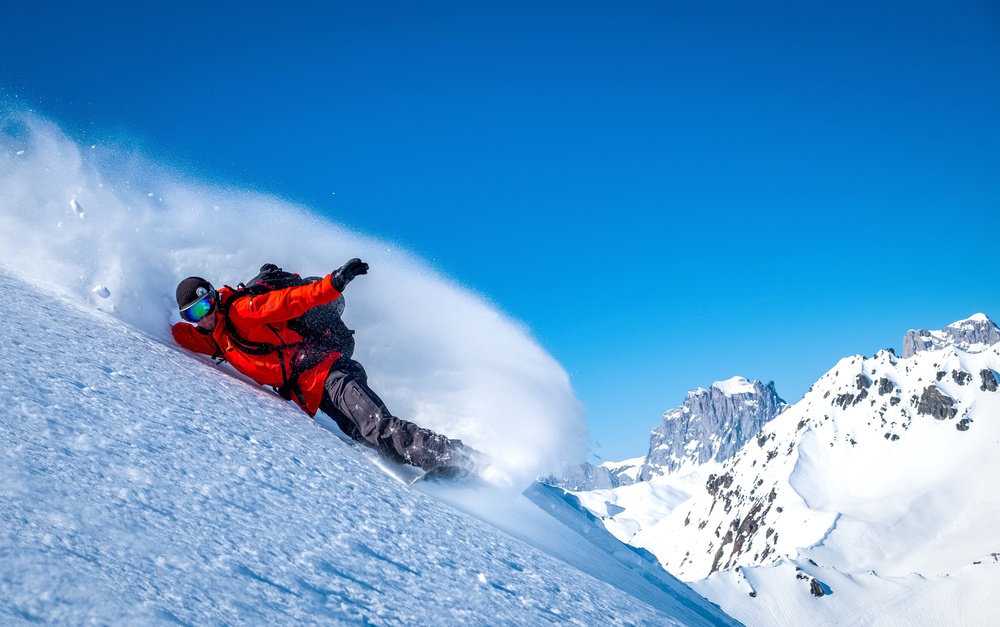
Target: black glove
340 278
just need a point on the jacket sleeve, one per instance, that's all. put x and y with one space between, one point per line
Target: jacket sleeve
281 305
187 335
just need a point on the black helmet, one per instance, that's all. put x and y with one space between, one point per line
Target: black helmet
191 289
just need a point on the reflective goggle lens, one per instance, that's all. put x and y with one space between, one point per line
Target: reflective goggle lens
199 308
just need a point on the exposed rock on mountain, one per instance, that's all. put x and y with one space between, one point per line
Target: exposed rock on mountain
989 380
972 335
934 402
711 425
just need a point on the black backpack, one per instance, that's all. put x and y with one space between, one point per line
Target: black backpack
321 327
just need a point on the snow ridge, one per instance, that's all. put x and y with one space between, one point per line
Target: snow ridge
734 386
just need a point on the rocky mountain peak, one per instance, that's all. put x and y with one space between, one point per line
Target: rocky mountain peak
711 425
972 335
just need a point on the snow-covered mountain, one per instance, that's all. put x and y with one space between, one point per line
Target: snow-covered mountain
870 501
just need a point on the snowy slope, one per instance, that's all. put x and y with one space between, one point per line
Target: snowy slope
142 485
783 595
871 501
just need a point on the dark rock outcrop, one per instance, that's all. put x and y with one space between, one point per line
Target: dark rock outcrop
863 383
711 425
934 402
989 380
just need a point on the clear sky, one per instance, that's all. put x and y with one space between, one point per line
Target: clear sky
666 193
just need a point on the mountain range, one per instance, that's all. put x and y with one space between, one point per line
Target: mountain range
877 482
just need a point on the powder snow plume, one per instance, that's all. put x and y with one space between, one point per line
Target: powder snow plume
117 231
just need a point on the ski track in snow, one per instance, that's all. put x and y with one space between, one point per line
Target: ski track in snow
141 485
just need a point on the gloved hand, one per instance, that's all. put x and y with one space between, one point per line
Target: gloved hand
340 278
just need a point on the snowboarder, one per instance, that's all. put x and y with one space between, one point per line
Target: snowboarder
256 334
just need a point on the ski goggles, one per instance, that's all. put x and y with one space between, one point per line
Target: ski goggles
199 308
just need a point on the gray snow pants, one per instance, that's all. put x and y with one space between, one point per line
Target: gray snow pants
362 415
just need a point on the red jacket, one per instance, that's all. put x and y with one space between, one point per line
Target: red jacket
264 318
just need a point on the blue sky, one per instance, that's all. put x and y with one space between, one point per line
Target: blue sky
666 194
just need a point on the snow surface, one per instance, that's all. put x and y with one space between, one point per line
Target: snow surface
733 386
141 485
627 510
437 354
965 597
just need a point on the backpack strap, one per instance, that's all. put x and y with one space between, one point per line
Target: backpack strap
305 358
218 354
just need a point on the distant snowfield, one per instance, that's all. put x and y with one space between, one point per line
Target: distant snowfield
627 510
113 230
140 485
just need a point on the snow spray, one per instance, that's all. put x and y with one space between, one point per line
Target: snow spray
113 229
